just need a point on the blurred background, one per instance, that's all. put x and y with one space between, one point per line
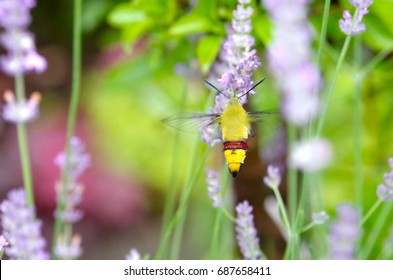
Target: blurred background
146 60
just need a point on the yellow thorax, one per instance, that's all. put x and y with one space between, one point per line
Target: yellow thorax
235 123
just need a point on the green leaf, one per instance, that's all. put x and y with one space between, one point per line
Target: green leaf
124 14
162 12
207 50
206 8
133 32
94 13
190 24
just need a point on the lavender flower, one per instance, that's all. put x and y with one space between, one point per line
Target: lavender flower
319 218
239 60
21 54
69 193
385 191
290 61
344 233
208 135
79 160
20 229
21 112
68 250
214 187
311 155
246 233
354 26
273 178
133 255
3 242
236 52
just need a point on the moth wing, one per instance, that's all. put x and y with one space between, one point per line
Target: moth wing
193 122
263 122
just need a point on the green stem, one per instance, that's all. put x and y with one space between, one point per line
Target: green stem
214 243
25 161
319 235
322 35
370 212
308 227
72 114
292 188
191 182
292 177
170 200
168 232
23 144
179 225
219 223
178 218
76 71
283 212
228 215
376 230
340 61
302 205
226 192
20 88
321 48
357 133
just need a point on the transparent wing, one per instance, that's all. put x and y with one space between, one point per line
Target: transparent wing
263 115
192 122
264 122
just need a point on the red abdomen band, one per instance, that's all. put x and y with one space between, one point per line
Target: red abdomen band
231 145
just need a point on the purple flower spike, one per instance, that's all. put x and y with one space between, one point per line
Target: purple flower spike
354 26
319 218
385 190
246 233
21 54
361 3
344 233
68 250
35 62
273 178
20 229
3 243
79 160
290 60
133 255
214 187
21 112
208 135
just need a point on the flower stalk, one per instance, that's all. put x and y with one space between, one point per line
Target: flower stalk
21 57
21 229
72 115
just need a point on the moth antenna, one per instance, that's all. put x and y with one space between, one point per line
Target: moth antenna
254 86
213 86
